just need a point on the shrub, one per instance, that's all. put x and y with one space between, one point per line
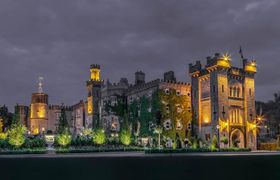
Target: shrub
99 137
16 136
64 139
4 144
81 141
89 133
214 143
3 136
195 144
224 140
35 143
125 137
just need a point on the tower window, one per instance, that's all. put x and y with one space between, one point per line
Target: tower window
250 92
223 88
214 89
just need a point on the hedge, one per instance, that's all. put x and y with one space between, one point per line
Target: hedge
97 149
23 151
200 150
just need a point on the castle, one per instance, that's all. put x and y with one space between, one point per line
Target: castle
224 100
220 100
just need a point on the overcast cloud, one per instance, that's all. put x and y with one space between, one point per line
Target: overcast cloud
59 39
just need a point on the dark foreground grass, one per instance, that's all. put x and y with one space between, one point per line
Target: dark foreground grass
133 168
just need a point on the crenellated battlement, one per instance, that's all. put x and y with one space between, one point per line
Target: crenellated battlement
250 65
60 107
95 66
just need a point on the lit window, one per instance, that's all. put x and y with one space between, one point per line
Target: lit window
167 91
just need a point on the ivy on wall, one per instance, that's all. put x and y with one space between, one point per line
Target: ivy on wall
142 112
176 108
147 110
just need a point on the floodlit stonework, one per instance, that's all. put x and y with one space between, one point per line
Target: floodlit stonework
224 100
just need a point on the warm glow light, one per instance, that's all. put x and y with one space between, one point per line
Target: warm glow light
206 120
36 131
90 105
224 61
226 57
95 74
251 67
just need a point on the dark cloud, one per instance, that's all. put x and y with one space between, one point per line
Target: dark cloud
59 39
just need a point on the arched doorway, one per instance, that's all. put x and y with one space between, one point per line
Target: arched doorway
237 139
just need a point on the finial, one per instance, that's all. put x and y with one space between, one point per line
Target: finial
40 84
241 53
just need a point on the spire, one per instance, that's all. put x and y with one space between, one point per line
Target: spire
241 53
40 84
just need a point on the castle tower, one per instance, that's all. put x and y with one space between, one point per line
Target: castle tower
139 78
39 110
224 101
94 97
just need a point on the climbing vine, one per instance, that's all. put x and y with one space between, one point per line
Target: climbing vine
177 110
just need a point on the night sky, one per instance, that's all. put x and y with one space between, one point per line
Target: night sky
59 39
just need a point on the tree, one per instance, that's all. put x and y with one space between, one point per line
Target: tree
15 119
62 123
6 116
16 135
99 137
1 125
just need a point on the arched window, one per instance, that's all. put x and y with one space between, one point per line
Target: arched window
238 92
234 92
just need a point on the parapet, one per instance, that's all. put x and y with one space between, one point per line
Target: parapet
95 66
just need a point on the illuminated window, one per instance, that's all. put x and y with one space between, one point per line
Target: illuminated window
167 91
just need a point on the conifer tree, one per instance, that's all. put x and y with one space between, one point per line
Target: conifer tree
63 123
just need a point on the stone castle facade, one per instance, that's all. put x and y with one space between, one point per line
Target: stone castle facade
220 100
224 100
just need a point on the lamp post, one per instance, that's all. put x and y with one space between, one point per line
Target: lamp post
158 131
218 129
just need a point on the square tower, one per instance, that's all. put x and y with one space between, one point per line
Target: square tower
94 97
224 101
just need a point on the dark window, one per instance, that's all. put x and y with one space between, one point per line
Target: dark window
250 92
223 88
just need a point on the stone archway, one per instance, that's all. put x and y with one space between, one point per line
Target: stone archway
237 139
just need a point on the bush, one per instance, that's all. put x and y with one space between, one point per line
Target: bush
35 143
63 139
3 136
24 151
224 140
99 138
125 137
81 141
191 150
4 144
214 144
16 135
97 149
